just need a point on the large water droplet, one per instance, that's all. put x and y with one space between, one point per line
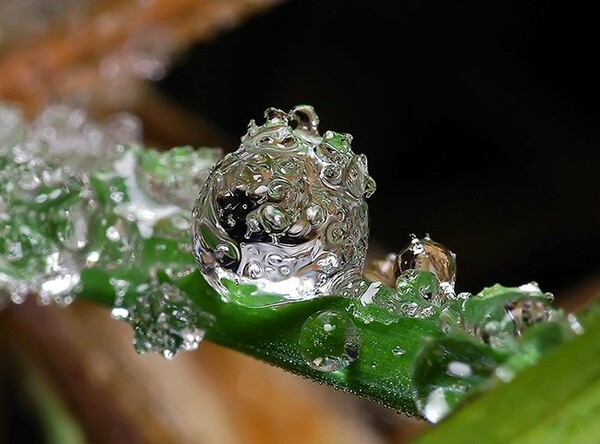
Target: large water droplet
286 192
329 341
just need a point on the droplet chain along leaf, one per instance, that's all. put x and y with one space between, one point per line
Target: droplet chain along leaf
276 265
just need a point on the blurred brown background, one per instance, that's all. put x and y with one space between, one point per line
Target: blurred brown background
480 123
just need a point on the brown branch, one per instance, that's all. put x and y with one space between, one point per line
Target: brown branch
67 61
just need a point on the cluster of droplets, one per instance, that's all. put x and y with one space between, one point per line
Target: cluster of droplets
74 199
489 336
282 219
417 282
285 213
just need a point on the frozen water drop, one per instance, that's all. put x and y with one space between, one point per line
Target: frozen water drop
59 280
275 196
165 321
329 341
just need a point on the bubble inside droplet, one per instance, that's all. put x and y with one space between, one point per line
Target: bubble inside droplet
329 341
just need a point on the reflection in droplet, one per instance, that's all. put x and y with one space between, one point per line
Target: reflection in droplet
398 351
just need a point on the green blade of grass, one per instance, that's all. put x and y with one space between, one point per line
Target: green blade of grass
556 401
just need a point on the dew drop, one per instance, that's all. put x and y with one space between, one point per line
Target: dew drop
329 341
427 255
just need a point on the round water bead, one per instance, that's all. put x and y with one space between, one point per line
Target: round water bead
427 255
329 341
285 214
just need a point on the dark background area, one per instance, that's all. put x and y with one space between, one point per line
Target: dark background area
480 120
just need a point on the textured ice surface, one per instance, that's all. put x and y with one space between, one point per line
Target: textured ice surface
285 213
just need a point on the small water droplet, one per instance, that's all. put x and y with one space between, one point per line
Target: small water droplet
329 341
575 324
427 255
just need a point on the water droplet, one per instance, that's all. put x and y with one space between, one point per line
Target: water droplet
329 341
575 324
303 217
427 255
112 233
